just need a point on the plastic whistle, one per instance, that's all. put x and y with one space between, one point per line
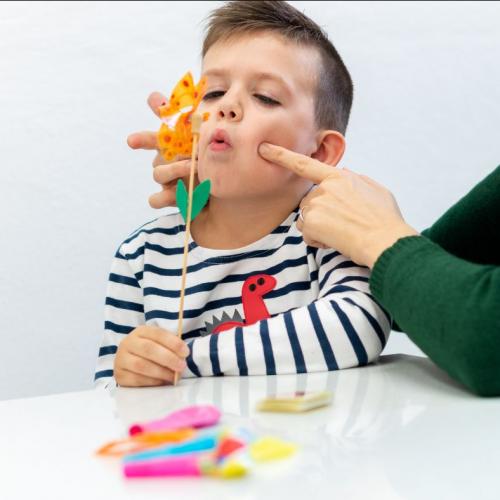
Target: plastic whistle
204 443
236 464
192 416
186 465
241 460
144 441
226 446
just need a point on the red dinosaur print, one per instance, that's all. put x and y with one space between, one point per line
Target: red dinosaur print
252 293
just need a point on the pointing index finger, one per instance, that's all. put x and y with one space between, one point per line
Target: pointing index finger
314 170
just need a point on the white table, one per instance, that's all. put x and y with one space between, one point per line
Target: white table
396 430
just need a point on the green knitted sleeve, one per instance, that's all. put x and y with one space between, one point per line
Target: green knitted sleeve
443 289
471 228
448 306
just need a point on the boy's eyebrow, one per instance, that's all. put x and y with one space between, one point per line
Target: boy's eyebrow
261 75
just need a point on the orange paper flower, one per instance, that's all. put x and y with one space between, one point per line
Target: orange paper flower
175 137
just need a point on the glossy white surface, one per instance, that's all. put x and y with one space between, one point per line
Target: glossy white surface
396 430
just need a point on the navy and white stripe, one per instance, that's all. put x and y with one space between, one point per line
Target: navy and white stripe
322 314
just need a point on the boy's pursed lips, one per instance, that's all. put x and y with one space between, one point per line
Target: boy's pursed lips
220 140
220 136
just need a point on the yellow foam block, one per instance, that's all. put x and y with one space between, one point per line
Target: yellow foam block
298 402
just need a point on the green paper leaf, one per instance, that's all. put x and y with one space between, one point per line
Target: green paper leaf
200 198
181 198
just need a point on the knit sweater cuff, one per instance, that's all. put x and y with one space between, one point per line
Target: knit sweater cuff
383 265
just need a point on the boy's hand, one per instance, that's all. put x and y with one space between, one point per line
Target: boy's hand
149 356
164 173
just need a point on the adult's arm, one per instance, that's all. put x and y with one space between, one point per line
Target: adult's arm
445 293
470 229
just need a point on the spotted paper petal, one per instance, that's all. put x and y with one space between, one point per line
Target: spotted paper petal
175 138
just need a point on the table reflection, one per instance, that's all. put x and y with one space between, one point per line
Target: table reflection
388 425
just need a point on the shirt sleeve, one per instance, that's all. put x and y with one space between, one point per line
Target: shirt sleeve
448 306
343 328
124 311
469 229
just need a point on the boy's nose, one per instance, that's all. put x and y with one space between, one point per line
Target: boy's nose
231 113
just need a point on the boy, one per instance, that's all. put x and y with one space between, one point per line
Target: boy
258 299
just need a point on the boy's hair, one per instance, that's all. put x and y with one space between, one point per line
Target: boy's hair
334 89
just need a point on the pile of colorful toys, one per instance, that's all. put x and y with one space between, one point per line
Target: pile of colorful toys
191 442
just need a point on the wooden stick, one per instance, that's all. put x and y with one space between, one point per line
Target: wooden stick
195 129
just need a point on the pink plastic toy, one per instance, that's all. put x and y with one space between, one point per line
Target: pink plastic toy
192 416
188 465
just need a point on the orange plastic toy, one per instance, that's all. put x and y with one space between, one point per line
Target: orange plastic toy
144 441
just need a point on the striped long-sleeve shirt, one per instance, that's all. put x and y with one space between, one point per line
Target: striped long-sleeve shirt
322 314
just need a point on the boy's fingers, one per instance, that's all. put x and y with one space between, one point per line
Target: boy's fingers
143 140
164 174
158 354
126 378
155 100
147 368
168 340
314 170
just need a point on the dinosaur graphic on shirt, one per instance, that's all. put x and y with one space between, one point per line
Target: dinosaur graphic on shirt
252 297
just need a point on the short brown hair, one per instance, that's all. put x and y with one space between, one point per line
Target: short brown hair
334 91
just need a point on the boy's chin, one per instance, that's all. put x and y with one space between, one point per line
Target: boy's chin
243 192
225 194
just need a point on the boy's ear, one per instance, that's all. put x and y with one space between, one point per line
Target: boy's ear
331 147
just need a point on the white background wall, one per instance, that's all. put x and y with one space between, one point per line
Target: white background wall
74 78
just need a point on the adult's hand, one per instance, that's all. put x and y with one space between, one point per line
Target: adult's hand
165 174
346 211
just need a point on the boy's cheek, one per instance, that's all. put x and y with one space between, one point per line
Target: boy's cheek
289 137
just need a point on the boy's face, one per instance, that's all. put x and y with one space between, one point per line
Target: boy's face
260 88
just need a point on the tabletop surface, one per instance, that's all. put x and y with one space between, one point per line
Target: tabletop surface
399 429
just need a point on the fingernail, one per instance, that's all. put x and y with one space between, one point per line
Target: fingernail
181 365
185 351
264 148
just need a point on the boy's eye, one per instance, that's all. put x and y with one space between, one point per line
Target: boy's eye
262 98
267 100
213 95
